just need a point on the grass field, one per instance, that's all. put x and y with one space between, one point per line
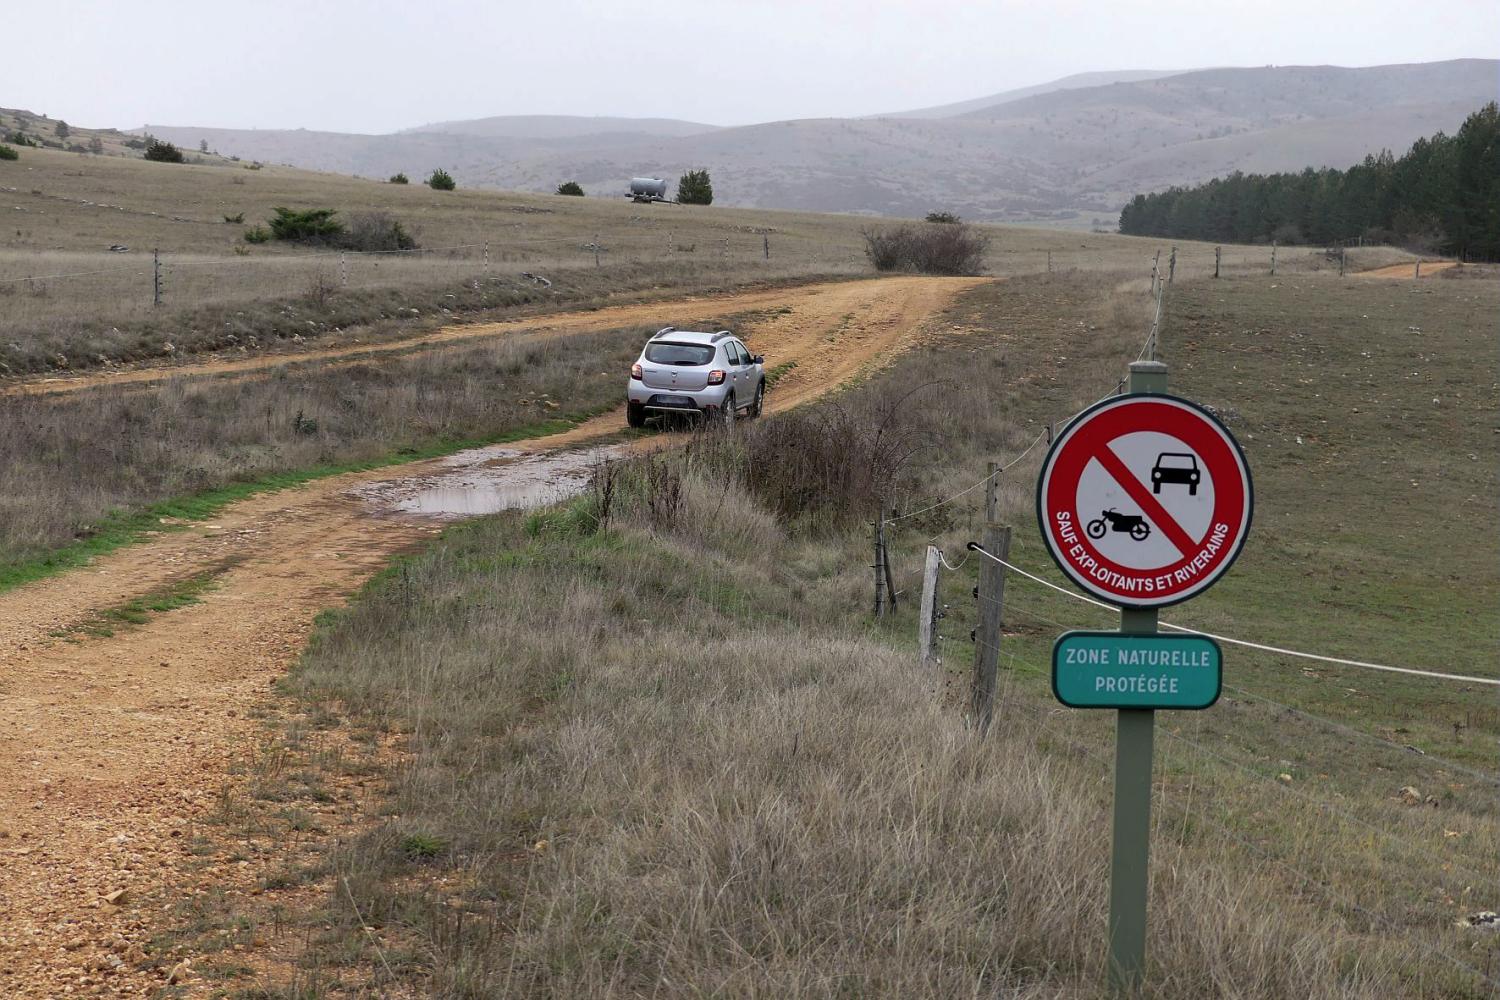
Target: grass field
672 754
73 304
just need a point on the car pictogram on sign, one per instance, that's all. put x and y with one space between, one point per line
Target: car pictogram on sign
1175 467
1144 500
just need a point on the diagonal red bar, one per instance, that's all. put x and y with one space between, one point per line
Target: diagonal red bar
1148 503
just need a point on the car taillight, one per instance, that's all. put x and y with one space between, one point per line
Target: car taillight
715 377
635 371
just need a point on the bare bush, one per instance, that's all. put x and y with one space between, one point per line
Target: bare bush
830 464
934 248
377 231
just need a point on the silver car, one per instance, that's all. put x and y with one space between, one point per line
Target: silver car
709 374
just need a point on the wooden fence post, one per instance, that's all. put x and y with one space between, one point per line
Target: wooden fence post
992 493
890 579
1217 252
1172 266
927 614
987 636
1273 258
879 564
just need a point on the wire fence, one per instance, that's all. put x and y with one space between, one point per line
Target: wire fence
37 287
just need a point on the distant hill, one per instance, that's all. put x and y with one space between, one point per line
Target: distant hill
1075 82
563 127
1071 154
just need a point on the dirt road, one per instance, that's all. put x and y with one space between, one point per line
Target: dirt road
1429 268
114 748
675 312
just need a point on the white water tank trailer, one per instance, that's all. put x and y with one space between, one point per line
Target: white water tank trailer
647 189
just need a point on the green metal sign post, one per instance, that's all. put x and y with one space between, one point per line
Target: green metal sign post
1144 500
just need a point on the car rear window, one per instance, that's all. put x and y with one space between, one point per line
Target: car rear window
679 354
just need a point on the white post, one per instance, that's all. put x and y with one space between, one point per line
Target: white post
927 613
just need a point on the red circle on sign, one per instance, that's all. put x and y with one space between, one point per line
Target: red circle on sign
1200 558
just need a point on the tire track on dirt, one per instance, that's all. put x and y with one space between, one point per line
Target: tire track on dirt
677 311
113 749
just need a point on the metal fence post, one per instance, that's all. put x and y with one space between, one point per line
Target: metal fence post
766 246
1217 252
486 255
596 249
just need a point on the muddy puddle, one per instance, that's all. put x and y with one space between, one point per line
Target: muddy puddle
486 481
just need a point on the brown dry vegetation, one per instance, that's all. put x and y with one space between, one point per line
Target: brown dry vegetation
67 209
656 747
71 461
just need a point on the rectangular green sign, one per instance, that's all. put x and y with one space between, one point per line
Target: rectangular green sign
1114 670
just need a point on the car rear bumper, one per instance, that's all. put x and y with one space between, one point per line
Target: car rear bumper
667 400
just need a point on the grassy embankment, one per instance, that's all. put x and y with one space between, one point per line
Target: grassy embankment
670 753
220 293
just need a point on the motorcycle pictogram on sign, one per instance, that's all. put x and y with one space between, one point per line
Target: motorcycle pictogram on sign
1144 500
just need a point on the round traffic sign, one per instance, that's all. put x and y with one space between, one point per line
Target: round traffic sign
1144 500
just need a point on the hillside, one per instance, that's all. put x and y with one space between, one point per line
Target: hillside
1073 82
563 126
1069 155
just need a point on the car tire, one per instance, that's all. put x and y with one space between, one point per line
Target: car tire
635 415
728 411
760 400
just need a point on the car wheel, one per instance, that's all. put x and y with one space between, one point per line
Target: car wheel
635 415
760 400
728 412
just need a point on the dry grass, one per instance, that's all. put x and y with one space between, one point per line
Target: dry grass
67 209
71 461
668 756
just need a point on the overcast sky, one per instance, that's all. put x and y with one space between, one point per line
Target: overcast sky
379 66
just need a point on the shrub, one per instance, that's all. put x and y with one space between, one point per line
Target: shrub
829 465
8 153
376 231
399 179
570 187
257 234
96 145
61 130
163 152
236 218
930 249
135 143
695 188
441 180
20 138
312 225
943 218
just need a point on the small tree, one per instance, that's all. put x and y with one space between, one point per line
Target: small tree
62 130
943 218
202 145
96 145
694 188
7 153
313 225
570 187
163 152
399 179
441 180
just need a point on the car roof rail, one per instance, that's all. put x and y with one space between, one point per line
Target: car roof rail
721 335
663 332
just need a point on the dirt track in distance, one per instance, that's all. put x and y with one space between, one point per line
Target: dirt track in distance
1429 268
113 748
